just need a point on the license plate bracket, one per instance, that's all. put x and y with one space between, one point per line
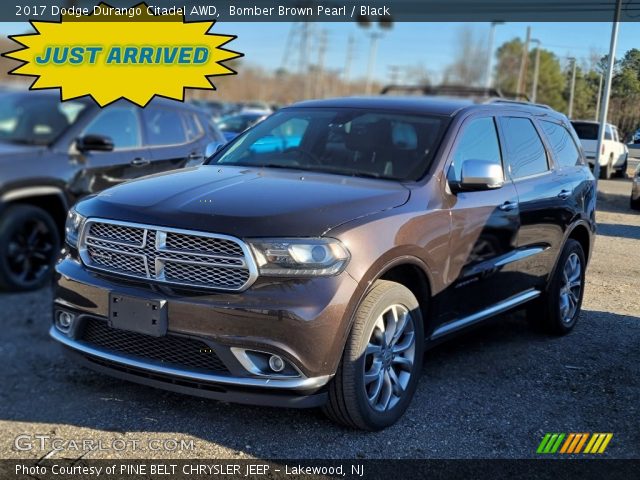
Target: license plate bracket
138 314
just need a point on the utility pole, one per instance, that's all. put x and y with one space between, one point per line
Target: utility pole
347 64
394 73
322 48
373 51
572 91
536 71
607 87
489 74
523 64
598 98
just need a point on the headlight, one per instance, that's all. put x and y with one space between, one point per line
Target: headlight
72 227
299 256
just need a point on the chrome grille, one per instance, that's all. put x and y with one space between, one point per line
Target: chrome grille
167 255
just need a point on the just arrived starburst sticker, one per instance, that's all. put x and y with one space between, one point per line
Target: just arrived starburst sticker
111 57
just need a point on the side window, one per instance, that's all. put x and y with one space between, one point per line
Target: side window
478 141
526 151
118 123
564 148
193 129
608 135
164 126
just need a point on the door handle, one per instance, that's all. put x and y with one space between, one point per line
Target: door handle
508 206
564 194
194 155
138 162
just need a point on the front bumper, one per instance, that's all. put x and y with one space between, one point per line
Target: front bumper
304 321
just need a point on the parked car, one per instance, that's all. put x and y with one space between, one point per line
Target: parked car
232 125
614 153
52 153
636 137
635 189
317 275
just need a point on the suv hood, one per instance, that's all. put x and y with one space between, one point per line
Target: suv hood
246 202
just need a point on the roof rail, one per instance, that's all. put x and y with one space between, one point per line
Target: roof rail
519 102
453 90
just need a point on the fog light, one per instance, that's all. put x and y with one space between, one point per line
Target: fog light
64 320
276 363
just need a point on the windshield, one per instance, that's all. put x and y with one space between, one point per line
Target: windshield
589 131
344 141
36 119
237 123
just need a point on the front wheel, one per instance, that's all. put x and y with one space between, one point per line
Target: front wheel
605 171
382 360
557 311
29 247
622 172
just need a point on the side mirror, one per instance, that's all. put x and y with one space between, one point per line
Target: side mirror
213 147
96 143
481 175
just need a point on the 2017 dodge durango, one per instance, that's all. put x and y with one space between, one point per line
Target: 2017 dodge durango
312 260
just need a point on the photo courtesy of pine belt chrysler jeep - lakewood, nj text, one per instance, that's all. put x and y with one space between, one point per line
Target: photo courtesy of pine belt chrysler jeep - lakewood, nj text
311 260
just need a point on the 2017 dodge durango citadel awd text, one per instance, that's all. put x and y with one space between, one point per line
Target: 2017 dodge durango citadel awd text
311 260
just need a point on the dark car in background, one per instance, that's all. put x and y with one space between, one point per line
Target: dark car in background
232 125
312 260
53 153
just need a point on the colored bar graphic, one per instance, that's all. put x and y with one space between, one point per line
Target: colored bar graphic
574 443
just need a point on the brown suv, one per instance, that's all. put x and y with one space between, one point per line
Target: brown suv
311 260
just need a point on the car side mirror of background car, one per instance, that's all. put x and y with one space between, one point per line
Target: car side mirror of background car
481 175
96 143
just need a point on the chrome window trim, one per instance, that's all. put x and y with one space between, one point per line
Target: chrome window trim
248 259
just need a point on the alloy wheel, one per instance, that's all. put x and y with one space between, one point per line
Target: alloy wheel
389 357
571 288
29 252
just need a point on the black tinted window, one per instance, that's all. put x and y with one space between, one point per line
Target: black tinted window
564 149
526 151
164 126
478 141
120 124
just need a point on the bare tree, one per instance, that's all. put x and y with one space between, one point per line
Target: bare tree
468 67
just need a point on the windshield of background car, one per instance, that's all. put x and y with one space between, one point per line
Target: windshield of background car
589 131
343 141
36 120
237 123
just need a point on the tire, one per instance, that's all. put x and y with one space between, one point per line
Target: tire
634 204
548 312
622 173
349 403
605 173
29 247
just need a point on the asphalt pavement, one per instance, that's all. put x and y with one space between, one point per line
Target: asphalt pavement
492 393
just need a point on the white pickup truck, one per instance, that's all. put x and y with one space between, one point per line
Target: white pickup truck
613 155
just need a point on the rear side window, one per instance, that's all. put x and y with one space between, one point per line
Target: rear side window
564 149
120 124
164 126
479 141
192 126
526 152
